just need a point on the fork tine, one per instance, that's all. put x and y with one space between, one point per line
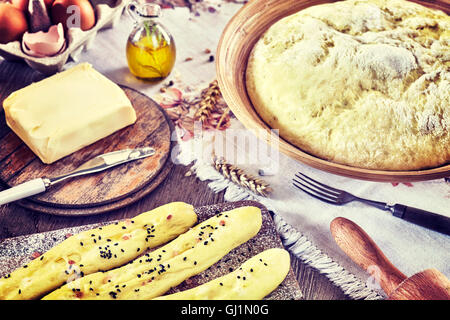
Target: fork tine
321 184
313 189
328 191
302 187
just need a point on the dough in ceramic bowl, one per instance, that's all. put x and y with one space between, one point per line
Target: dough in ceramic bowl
361 83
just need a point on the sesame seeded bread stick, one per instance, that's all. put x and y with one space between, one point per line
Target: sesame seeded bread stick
254 280
154 273
102 248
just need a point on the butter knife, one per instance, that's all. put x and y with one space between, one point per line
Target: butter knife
97 164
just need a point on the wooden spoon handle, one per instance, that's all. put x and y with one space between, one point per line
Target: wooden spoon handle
355 242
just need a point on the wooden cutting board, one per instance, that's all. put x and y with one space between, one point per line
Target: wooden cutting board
15 252
100 192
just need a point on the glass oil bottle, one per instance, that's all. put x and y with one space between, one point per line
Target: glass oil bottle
150 50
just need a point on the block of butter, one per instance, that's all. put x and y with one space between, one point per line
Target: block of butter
67 111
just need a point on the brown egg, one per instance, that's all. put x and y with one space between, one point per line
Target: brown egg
48 3
20 4
65 12
13 23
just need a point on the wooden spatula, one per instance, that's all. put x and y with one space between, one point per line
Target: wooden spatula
354 241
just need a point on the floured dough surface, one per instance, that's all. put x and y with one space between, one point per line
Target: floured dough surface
362 83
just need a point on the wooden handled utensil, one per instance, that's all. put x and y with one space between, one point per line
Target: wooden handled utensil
354 241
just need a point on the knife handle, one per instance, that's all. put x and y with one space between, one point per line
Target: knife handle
22 190
423 218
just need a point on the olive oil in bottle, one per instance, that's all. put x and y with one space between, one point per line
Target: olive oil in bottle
150 49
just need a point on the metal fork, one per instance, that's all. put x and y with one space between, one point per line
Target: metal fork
339 197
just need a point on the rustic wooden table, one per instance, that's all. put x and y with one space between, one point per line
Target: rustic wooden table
15 220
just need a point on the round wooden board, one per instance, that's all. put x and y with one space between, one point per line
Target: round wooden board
235 45
104 191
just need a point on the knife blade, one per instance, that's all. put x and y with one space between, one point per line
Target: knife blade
97 164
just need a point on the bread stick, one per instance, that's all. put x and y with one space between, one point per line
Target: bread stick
255 279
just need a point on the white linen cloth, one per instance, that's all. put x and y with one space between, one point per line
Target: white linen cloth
303 221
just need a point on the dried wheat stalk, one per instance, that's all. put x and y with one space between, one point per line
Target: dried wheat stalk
238 176
208 101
